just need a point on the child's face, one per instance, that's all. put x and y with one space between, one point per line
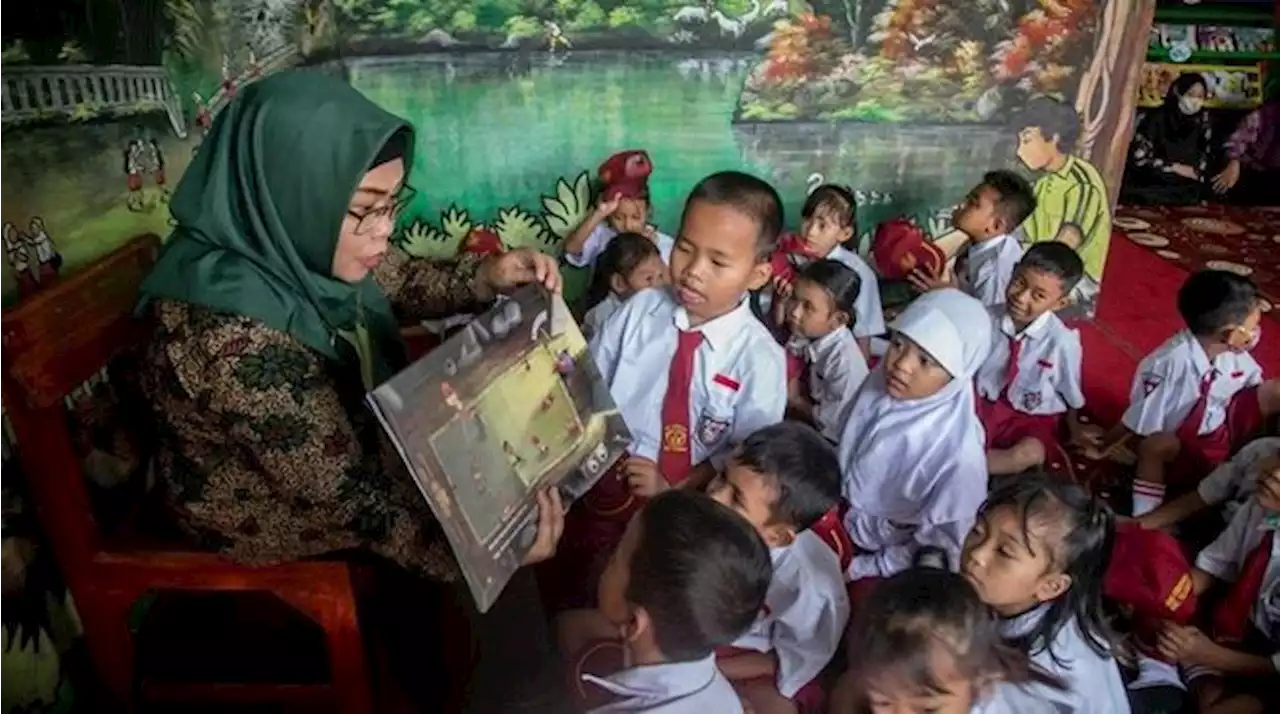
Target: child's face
632 216
811 312
652 271
977 217
1268 493
751 495
715 262
1012 571
955 693
910 372
823 232
1242 337
1035 150
1032 293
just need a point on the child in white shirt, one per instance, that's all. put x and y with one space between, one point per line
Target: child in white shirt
818 314
1230 485
623 208
629 264
1037 556
689 575
912 455
784 479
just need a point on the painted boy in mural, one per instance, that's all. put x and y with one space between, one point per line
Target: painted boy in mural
1071 199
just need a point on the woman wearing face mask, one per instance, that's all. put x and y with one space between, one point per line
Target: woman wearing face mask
1169 155
276 304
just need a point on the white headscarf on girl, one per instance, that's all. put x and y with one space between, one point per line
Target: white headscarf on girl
920 462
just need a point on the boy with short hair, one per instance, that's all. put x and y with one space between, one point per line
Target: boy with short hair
990 214
785 480
1031 377
1200 394
689 575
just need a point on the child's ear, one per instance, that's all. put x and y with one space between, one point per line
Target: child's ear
1052 587
1062 302
846 233
639 626
839 318
760 274
618 284
779 535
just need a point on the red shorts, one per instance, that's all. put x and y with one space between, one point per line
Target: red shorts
1244 419
159 177
1007 426
134 181
809 699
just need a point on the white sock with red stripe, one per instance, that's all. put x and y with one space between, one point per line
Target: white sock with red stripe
1147 497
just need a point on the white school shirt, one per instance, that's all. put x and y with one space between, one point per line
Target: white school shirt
600 236
695 687
869 320
1093 683
806 609
739 373
1006 698
990 268
1234 481
836 370
596 316
1224 558
1049 365
1167 386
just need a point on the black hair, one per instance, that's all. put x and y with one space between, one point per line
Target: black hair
1015 199
911 613
621 256
1087 528
801 464
397 147
835 200
1053 118
1183 84
1055 258
701 572
1213 300
749 195
840 281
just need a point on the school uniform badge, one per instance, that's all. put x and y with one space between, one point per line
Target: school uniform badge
1150 383
1031 400
711 430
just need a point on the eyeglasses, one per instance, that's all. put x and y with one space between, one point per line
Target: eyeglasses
369 219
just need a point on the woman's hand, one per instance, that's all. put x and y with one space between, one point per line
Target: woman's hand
504 272
1226 180
550 526
1184 171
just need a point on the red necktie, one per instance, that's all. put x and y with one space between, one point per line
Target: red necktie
1011 367
1231 618
1189 429
675 458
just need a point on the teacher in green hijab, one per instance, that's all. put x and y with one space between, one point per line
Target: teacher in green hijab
276 304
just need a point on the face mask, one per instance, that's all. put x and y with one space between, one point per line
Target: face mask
1190 105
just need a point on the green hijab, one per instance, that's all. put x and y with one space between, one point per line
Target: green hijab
259 211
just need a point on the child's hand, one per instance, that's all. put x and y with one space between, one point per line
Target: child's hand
606 207
1268 493
1086 436
643 477
924 282
651 232
1184 644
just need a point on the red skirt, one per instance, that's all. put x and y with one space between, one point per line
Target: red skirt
809 699
1006 426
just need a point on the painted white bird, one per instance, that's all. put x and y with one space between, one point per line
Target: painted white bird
919 43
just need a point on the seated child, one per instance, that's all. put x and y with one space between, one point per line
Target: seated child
926 643
1230 485
1037 555
689 366
818 314
1235 667
688 576
990 214
783 479
629 264
911 451
1032 376
1200 394
623 208
830 222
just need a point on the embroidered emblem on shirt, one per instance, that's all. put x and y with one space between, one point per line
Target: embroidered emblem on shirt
711 430
1031 400
675 438
1151 382
1179 593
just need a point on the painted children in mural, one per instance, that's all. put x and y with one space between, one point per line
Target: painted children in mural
204 116
1169 154
623 208
1071 199
15 251
134 166
153 161
48 259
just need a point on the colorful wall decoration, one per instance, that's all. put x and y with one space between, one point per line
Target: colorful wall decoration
1230 86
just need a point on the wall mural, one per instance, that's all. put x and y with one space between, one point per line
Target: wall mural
907 102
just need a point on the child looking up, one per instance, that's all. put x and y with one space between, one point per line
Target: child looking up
990 214
1200 394
689 575
629 264
818 314
911 451
1032 376
784 479
927 645
1037 555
